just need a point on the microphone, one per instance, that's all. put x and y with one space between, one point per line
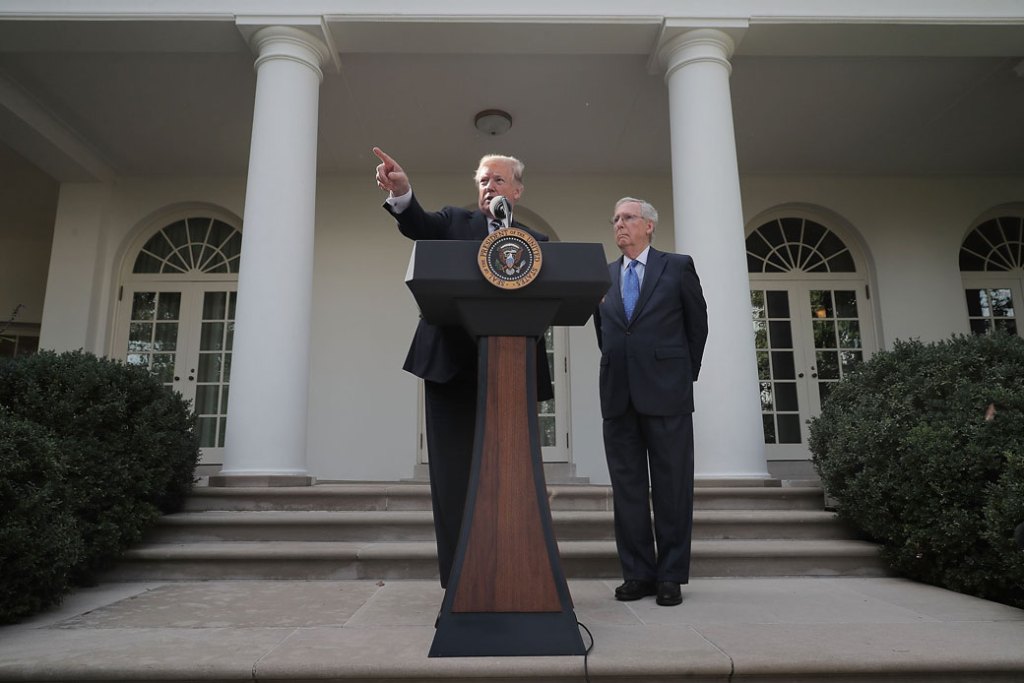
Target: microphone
501 209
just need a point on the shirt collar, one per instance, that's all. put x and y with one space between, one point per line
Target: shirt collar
641 257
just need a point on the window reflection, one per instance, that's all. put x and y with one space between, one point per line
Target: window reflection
989 310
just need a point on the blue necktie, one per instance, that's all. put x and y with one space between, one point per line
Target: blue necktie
495 225
630 289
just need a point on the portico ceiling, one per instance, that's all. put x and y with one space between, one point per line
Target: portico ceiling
136 98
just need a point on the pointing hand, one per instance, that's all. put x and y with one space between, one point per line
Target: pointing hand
390 176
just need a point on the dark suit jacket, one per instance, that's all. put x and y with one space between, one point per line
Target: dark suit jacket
653 360
438 353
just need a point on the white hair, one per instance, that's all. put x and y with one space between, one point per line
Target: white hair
517 166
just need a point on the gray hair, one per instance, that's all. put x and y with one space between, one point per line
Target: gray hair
517 166
647 211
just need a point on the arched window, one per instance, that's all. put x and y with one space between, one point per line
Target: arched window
992 268
811 323
191 245
797 244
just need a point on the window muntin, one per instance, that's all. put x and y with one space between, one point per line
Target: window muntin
995 245
191 245
786 245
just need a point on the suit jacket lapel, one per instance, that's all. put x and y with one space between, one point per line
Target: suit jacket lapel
614 294
653 269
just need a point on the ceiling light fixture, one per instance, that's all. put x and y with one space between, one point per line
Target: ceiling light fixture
493 122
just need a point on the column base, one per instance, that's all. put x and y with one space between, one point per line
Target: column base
259 480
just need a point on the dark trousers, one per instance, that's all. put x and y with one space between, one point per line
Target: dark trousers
652 453
451 424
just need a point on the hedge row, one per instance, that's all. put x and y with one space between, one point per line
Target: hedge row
92 451
923 447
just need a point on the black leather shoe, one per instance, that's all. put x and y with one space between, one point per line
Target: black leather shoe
668 594
633 589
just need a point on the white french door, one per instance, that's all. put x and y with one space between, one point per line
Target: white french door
553 414
808 334
183 333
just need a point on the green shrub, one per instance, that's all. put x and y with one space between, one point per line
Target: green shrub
922 448
39 539
126 444
1007 511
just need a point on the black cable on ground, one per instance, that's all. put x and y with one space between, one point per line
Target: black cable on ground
586 654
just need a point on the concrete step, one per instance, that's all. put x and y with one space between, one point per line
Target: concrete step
743 630
416 525
318 560
406 497
385 530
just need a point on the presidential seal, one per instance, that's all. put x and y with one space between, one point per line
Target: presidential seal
509 258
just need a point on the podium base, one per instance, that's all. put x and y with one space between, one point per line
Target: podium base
492 634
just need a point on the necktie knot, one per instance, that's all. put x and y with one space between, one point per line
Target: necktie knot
630 290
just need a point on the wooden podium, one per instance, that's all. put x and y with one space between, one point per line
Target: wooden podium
507 593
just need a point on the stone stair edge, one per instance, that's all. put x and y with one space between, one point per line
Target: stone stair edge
424 489
418 549
417 497
394 517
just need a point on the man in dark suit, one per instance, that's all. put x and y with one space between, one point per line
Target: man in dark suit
446 357
651 328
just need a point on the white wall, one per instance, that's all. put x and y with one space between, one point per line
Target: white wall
74 287
363 407
27 202
94 226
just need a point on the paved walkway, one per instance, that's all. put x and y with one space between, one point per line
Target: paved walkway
726 629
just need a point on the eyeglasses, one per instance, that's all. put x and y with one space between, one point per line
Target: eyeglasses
625 218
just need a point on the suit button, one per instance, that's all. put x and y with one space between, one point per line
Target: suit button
628 333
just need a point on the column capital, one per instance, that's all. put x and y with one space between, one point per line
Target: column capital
696 45
288 42
285 42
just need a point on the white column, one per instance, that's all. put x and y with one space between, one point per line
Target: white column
266 429
709 226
